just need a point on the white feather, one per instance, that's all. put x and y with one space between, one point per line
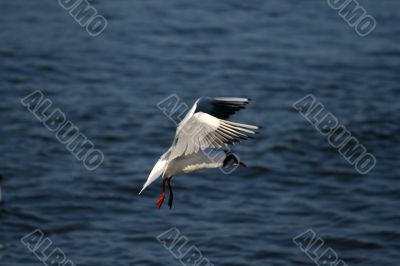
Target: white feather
157 171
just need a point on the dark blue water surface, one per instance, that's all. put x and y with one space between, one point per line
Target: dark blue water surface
274 52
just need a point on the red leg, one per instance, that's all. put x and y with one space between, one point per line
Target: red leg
162 197
171 195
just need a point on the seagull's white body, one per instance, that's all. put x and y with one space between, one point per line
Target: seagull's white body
201 138
196 161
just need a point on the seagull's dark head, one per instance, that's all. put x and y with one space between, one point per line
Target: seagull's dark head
232 160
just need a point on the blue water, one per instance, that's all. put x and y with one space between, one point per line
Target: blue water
274 52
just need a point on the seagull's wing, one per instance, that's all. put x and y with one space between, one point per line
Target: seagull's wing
201 130
220 107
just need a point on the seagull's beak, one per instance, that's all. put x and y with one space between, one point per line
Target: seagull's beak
242 165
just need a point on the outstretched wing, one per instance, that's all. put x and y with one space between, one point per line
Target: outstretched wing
220 107
202 130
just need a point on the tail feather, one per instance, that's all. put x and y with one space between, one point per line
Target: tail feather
157 171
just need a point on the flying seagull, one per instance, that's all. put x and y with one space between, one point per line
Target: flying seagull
201 141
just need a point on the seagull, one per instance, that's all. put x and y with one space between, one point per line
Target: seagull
202 141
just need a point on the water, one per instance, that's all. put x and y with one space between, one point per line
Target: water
274 52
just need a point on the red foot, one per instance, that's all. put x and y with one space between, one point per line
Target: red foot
160 200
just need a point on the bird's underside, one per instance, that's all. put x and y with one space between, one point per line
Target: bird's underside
202 141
